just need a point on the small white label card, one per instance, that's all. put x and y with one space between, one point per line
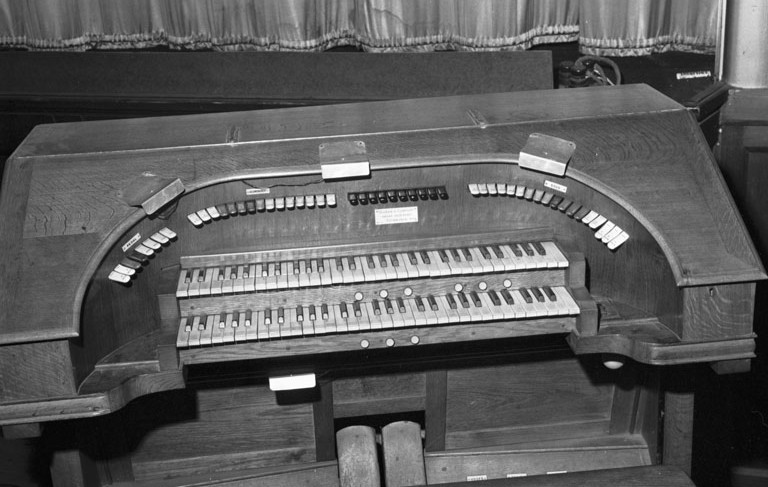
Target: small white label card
127 245
389 216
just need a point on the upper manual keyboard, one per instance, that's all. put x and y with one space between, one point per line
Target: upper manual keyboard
267 274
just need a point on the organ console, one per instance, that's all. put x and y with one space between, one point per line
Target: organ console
508 285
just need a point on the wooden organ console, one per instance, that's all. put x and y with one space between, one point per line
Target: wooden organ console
525 283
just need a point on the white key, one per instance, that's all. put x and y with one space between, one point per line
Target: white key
181 287
411 271
419 317
607 227
119 277
564 296
168 233
250 282
555 258
239 285
451 315
373 318
204 216
159 238
597 222
495 311
195 220
618 240
182 338
205 286
442 268
589 217
612 234
485 264
227 284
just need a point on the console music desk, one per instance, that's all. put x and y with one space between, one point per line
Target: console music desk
371 263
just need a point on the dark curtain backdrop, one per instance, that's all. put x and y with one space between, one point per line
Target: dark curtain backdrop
602 27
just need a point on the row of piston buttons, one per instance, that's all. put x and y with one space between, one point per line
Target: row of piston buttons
415 340
394 195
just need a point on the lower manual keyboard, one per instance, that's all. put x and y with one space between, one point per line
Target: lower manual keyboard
293 322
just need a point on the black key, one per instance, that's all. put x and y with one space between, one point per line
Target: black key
442 193
324 311
412 195
220 275
412 258
516 250
443 256
233 274
250 206
537 294
467 255
280 315
201 276
312 315
382 195
267 316
203 321
241 207
484 252
564 205
376 308
400 305
388 306
581 213
370 261
352 198
394 259
451 301
131 264
463 300
339 264
222 319
299 313
351 263
402 195
232 209
432 193
372 198
507 297
278 269
247 319
572 210
392 195
320 266
527 249
432 303
382 261
526 295
296 268
456 255
356 308
344 313
555 202
476 299
222 209
138 257
362 198
550 293
494 297
419 303
235 319
423 195
497 251
539 248
425 257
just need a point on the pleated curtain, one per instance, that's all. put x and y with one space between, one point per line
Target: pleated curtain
602 27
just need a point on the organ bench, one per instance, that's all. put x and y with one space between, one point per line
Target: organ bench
530 280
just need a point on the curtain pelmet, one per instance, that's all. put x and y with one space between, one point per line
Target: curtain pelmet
604 27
